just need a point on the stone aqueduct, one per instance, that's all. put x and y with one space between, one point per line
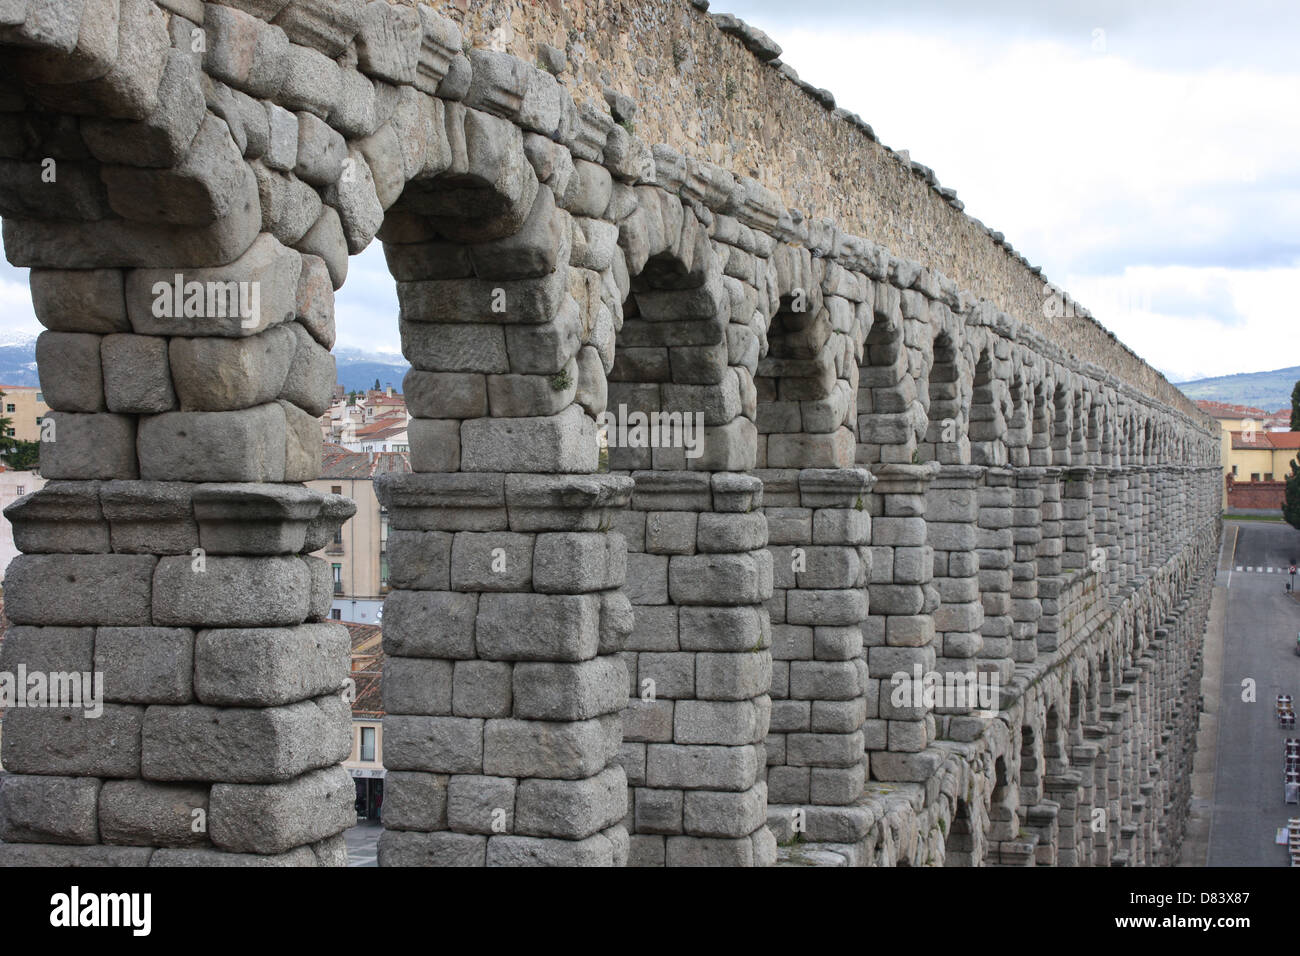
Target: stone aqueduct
907 463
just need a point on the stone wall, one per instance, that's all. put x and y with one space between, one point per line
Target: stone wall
868 471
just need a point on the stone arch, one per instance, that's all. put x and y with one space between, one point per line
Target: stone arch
1031 759
1020 424
1061 422
946 435
1004 803
698 565
988 424
1041 441
891 415
808 380
537 245
1079 424
964 843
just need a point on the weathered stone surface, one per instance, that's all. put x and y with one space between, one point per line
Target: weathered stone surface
277 818
91 300
80 589
273 592
141 813
200 190
247 445
264 277
146 665
88 446
220 374
73 742
137 374
48 809
269 666
244 745
309 380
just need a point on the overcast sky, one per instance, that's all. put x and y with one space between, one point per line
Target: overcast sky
1146 154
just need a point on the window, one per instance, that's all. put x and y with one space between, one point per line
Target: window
368 743
1234 471
9 432
1268 476
336 489
338 578
10 408
40 397
336 614
1254 476
338 535
21 490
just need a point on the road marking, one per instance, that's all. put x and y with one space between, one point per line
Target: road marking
1240 568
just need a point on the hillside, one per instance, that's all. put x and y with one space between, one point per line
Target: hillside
358 370
1267 390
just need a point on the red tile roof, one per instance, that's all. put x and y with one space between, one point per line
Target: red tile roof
339 462
1266 441
1225 410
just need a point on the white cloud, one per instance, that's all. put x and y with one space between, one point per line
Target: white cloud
1163 199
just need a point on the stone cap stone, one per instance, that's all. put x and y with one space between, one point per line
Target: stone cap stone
565 502
238 518
174 517
834 487
894 479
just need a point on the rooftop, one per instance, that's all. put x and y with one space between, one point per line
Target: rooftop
339 462
1266 441
1226 410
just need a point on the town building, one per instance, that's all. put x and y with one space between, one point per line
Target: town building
365 764
1257 450
373 421
24 406
358 553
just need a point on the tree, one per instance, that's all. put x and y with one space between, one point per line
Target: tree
1295 408
376 385
24 456
1291 503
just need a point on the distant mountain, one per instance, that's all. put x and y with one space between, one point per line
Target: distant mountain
358 369
1267 390
18 359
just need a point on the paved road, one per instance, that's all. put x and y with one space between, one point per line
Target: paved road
362 840
1261 623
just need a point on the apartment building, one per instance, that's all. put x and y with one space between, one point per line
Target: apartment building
24 406
358 555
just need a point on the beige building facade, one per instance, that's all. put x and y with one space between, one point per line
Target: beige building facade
358 554
25 408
